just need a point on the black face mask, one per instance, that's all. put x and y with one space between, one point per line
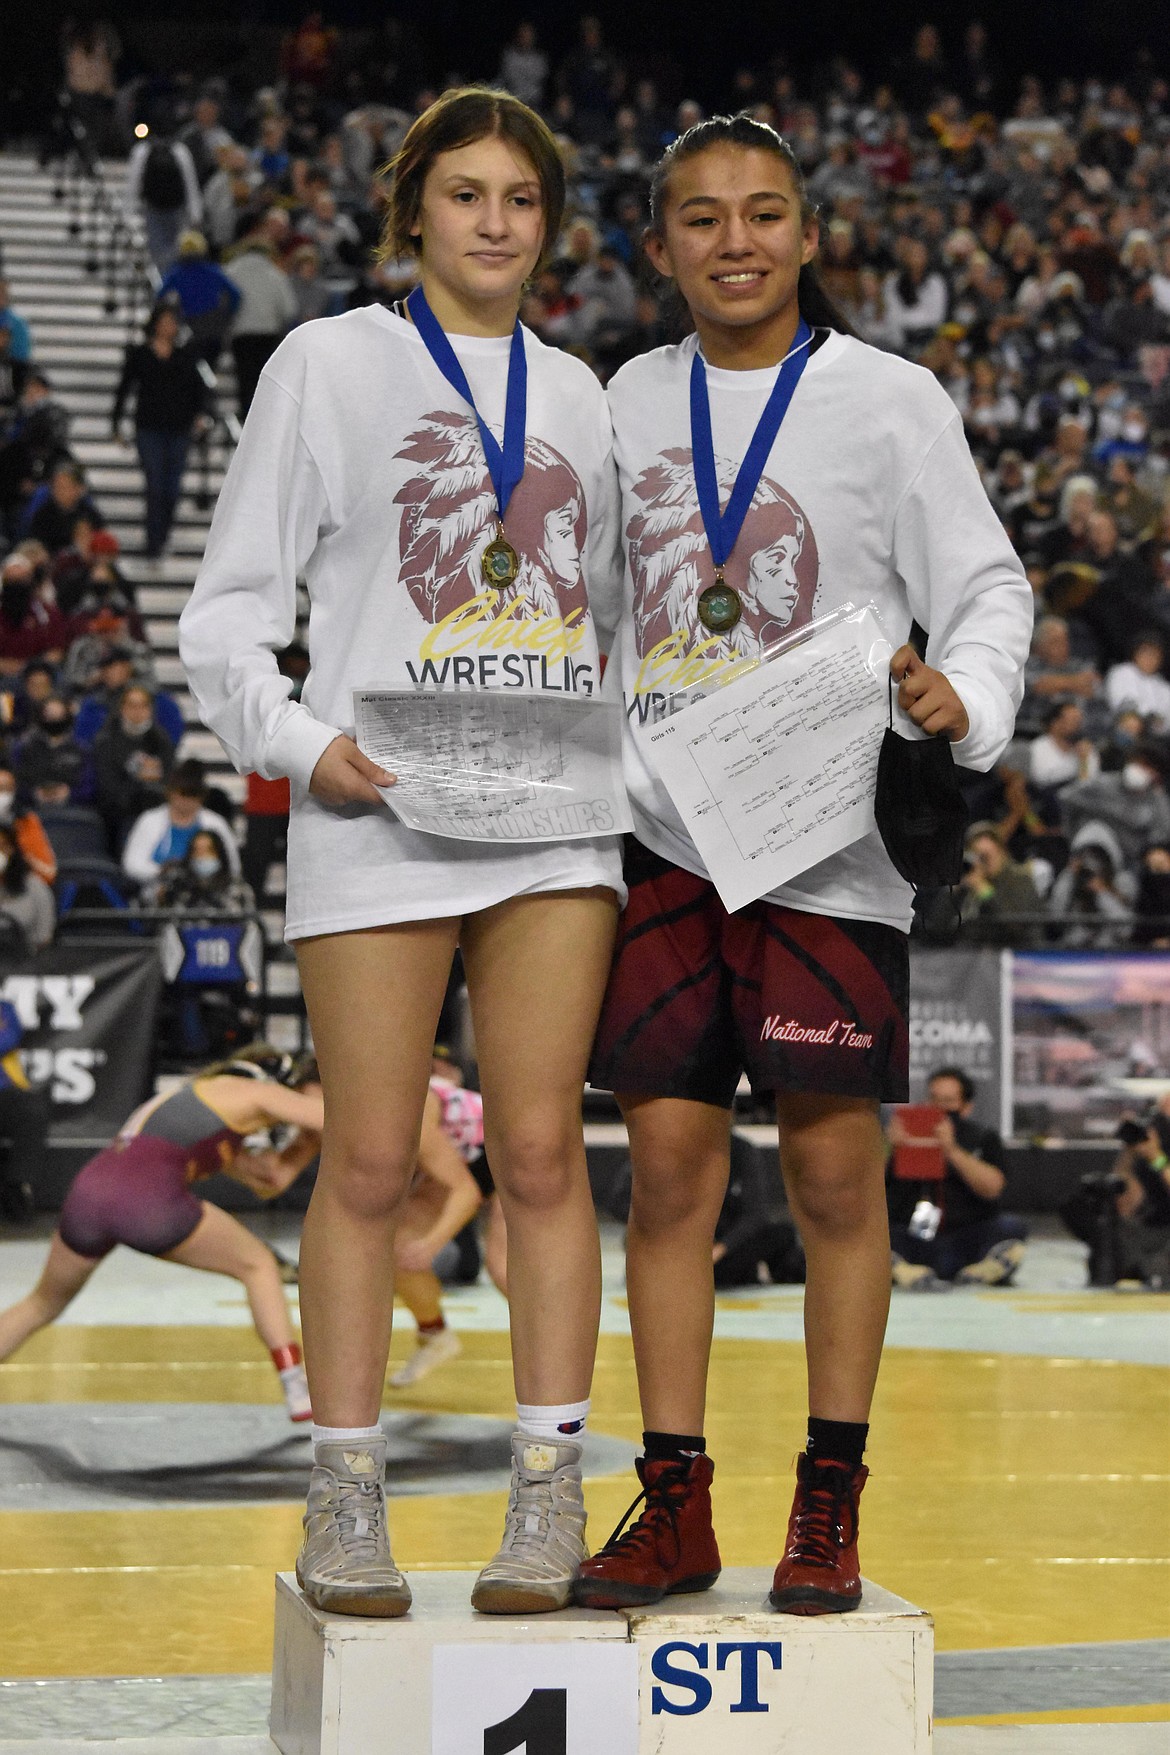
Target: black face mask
920 811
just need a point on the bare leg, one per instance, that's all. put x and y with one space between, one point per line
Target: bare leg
536 971
833 1157
219 1244
422 1294
681 1153
373 1000
495 1245
62 1277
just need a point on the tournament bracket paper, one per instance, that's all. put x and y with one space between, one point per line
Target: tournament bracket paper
776 771
485 765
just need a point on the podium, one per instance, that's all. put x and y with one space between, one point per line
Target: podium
717 1673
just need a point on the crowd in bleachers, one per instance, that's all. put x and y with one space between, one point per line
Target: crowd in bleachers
1012 237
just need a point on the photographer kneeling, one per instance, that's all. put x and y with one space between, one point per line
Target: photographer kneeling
1123 1213
952 1229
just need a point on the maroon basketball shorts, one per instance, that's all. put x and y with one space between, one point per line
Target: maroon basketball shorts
800 1002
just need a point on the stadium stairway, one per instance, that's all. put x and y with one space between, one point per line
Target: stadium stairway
81 346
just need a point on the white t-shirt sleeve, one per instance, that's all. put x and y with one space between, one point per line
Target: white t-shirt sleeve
967 588
271 513
604 559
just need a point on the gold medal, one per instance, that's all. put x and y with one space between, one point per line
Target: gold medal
500 562
719 606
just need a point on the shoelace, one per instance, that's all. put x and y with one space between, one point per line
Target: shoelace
527 1522
663 1503
359 1518
814 1535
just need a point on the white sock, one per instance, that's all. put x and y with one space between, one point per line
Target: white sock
344 1434
554 1422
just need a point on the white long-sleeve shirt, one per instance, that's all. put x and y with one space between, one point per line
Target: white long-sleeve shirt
1127 686
361 470
869 495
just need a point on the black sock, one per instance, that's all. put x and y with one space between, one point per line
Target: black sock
672 1446
837 1441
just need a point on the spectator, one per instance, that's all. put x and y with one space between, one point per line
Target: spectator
203 880
963 1235
25 897
205 137
115 671
1052 675
915 295
1063 754
314 299
1134 511
1152 907
589 77
37 438
307 53
24 1120
30 627
171 402
55 508
1124 1216
35 684
19 335
108 630
268 309
132 759
1140 684
87 576
1133 804
50 764
90 51
336 237
162 185
208 300
229 196
28 829
524 67
163 835
1086 897
995 888
1125 734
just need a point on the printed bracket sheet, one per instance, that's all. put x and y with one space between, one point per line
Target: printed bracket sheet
490 765
775 771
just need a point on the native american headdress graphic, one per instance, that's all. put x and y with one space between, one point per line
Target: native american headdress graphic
449 515
774 565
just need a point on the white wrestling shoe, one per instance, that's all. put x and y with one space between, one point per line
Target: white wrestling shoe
432 1350
345 1566
544 1532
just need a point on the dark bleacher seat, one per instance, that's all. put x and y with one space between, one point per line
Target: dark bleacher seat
75 832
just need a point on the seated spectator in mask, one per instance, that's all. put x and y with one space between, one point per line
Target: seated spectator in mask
36 682
1063 754
1088 897
994 886
163 835
26 825
30 626
50 764
1140 685
1133 804
1152 907
116 668
971 1240
202 881
1125 734
24 897
132 758
54 509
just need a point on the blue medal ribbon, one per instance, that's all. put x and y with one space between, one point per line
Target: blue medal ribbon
505 463
723 528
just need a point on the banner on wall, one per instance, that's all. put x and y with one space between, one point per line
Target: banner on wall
87 1008
960 1015
1084 1021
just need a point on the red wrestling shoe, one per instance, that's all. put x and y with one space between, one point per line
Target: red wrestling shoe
819 1573
669 1550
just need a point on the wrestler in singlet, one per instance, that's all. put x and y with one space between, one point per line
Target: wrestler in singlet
138 1190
